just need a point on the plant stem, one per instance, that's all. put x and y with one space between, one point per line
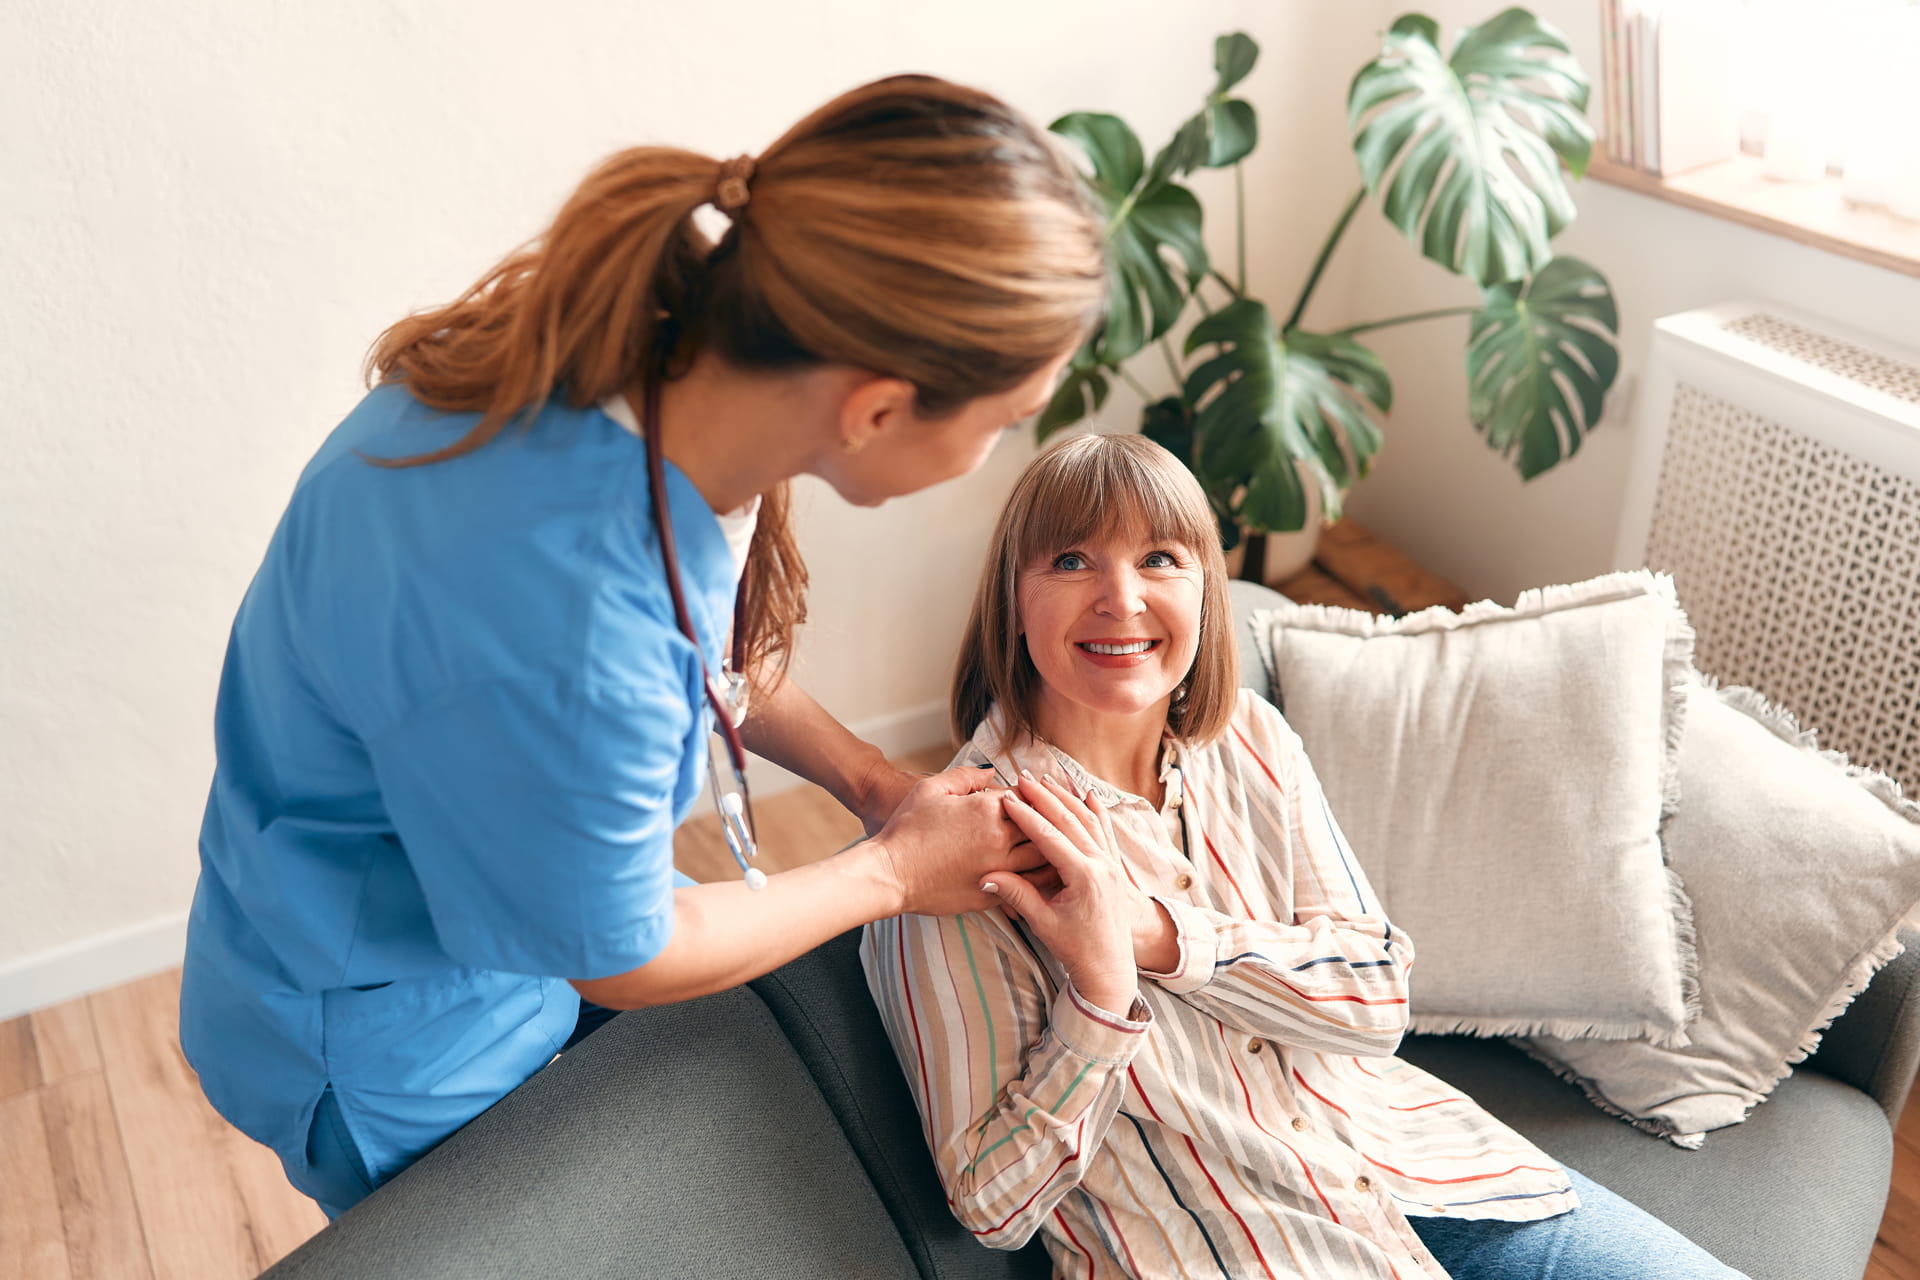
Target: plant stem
1226 284
1240 224
1130 380
1418 315
1173 366
1320 263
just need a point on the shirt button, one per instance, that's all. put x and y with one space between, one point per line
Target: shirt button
1299 1124
1183 882
1254 1046
1363 1183
1439 1208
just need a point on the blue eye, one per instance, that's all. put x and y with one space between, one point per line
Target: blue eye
1165 560
1071 561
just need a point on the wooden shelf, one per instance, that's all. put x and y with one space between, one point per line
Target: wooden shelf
1809 213
1353 569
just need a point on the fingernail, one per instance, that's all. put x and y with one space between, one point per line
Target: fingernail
1028 776
990 887
984 764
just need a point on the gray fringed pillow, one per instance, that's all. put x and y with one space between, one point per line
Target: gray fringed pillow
1502 775
1801 869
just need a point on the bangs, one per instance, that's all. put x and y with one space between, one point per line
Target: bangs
1078 492
1097 487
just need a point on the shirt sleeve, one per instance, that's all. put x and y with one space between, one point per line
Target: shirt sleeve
1334 978
1017 1082
537 814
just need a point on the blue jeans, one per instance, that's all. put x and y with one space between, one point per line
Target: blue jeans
1606 1238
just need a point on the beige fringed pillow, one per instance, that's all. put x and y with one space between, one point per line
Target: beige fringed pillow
1502 774
1800 869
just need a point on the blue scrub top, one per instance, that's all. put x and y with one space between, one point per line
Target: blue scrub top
456 728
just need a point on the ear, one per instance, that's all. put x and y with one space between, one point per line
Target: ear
873 407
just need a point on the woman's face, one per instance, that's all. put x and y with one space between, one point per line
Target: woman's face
1112 626
912 452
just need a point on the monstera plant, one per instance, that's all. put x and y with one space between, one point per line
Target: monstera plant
1469 153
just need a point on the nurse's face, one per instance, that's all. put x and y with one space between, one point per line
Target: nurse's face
901 452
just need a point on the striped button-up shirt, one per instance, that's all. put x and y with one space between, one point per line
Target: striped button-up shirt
1246 1117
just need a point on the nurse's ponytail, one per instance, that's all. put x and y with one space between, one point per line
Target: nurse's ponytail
912 227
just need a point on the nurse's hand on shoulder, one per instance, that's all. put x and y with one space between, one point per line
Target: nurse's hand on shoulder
949 832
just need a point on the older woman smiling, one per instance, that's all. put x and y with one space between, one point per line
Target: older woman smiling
1170 1051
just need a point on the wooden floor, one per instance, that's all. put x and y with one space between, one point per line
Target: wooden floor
113 1167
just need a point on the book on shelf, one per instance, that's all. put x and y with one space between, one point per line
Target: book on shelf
1667 81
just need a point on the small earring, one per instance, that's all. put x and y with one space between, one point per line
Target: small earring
852 446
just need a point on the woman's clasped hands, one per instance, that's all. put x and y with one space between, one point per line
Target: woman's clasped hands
1082 905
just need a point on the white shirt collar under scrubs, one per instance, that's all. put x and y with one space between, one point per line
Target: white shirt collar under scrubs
737 524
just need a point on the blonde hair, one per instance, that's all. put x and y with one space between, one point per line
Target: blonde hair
1084 489
912 227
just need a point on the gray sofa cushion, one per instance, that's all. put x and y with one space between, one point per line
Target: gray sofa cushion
822 1003
1795 1193
645 1151
1875 1044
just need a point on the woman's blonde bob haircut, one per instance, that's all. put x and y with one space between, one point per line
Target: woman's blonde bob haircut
1077 493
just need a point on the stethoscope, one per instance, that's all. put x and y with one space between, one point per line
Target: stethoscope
725 697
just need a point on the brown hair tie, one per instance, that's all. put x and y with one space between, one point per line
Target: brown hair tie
730 190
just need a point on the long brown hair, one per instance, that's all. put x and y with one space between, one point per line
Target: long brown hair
1080 490
911 227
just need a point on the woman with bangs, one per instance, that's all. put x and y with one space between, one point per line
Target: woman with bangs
1170 1050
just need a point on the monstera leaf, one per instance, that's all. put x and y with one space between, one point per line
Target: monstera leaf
1145 295
1465 152
1281 400
1081 392
1225 129
1155 255
1540 361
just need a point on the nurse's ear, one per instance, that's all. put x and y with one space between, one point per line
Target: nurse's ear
874 406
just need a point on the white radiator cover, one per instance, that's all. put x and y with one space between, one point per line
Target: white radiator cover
1776 476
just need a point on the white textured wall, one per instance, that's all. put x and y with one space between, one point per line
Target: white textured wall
208 210
1437 490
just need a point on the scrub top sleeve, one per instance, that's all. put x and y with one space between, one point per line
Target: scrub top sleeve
538 815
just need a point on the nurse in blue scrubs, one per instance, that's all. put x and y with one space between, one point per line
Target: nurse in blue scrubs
468 694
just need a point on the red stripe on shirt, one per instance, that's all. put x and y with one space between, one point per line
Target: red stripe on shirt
1222 864
1316 1093
1221 1027
1424 1105
1228 1204
913 1018
1446 1182
1257 760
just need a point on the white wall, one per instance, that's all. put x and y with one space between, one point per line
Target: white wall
1437 490
210 210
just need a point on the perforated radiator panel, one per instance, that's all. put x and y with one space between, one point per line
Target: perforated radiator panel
1798 562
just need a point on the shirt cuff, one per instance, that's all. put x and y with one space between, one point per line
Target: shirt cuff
1199 949
1088 1031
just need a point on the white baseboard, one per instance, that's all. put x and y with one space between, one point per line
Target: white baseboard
53 977
894 733
56 976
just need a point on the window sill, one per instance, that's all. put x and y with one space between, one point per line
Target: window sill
1812 213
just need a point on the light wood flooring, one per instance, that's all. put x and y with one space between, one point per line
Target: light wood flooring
113 1167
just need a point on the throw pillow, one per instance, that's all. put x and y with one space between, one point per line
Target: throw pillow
1800 869
1502 774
